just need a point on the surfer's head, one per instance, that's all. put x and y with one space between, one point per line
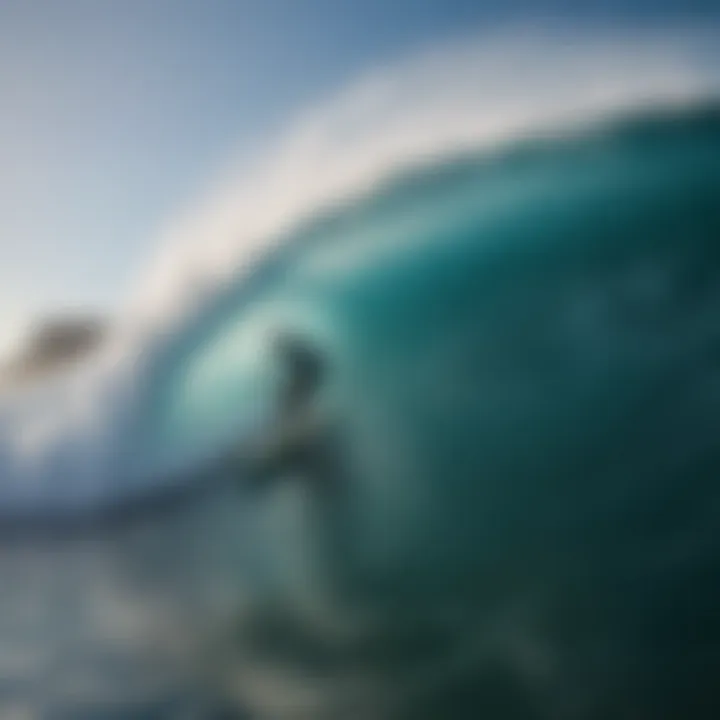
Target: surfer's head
302 366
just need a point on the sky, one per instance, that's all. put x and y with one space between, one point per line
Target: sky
114 114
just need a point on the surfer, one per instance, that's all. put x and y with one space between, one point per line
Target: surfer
300 442
304 447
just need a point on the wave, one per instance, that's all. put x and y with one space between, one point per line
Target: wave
185 371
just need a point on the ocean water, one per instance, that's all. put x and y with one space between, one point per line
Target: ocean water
523 368
522 385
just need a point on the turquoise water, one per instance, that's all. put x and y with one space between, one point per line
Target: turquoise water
524 380
444 243
506 317
524 355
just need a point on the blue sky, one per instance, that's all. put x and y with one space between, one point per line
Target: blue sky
115 113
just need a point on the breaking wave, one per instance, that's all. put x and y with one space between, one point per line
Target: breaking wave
185 371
